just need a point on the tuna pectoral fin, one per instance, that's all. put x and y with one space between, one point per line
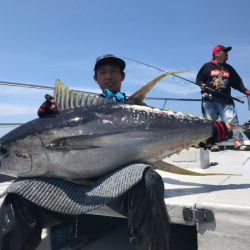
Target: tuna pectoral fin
170 168
73 143
139 95
80 142
71 147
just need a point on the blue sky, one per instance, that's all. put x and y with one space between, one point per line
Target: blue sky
45 40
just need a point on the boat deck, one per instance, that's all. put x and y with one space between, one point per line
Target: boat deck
217 190
220 205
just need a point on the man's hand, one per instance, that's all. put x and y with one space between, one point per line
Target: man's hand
203 87
51 102
221 131
53 105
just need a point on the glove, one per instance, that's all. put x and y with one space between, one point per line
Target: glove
48 108
221 132
247 92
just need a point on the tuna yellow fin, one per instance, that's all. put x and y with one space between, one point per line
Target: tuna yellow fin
173 169
139 95
67 98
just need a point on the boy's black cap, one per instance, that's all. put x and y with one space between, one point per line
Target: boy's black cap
109 59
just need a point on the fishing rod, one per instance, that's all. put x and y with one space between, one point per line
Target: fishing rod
27 85
210 89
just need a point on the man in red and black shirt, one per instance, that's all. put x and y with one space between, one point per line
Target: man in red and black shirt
221 77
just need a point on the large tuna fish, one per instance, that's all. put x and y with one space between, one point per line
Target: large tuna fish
90 141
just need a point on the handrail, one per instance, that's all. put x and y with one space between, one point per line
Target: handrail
10 125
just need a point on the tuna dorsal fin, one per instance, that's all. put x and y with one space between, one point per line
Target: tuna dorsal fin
139 95
173 169
69 99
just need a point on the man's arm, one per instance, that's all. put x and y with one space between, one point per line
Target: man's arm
237 83
200 78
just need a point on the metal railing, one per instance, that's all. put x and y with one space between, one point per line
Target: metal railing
10 125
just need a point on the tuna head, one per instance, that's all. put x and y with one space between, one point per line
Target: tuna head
14 162
22 150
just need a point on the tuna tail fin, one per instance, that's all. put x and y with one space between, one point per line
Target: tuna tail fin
173 169
139 95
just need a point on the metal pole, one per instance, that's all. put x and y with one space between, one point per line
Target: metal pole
248 98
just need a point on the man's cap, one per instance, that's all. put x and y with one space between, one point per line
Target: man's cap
109 59
218 48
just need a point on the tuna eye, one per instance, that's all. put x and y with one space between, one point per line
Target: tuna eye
25 156
3 151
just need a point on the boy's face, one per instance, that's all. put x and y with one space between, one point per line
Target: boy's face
110 77
221 56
